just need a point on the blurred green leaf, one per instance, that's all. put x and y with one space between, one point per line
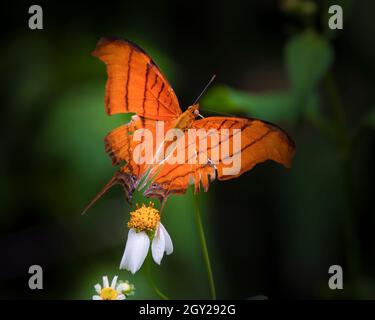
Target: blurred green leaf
76 129
269 106
308 57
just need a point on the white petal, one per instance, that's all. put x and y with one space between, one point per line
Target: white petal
98 288
96 298
122 287
158 245
168 240
136 250
105 282
113 283
120 297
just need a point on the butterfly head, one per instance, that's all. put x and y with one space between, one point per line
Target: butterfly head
194 110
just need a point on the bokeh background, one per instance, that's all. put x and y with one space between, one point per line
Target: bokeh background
272 232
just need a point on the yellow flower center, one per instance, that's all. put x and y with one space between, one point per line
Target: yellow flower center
145 218
108 294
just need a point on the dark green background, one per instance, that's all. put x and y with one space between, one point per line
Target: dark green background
271 232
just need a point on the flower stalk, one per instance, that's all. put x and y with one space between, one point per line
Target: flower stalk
203 243
152 282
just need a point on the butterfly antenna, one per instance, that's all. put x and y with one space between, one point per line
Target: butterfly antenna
205 88
109 184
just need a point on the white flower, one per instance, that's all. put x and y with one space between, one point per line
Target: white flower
126 288
145 227
123 287
108 292
138 244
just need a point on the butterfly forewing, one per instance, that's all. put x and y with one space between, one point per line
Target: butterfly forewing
135 83
259 141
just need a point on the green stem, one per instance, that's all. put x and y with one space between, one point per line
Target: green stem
202 239
151 280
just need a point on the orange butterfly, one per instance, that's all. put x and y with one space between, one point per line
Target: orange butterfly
135 84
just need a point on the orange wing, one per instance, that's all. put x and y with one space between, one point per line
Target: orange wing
176 178
135 83
260 141
120 146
